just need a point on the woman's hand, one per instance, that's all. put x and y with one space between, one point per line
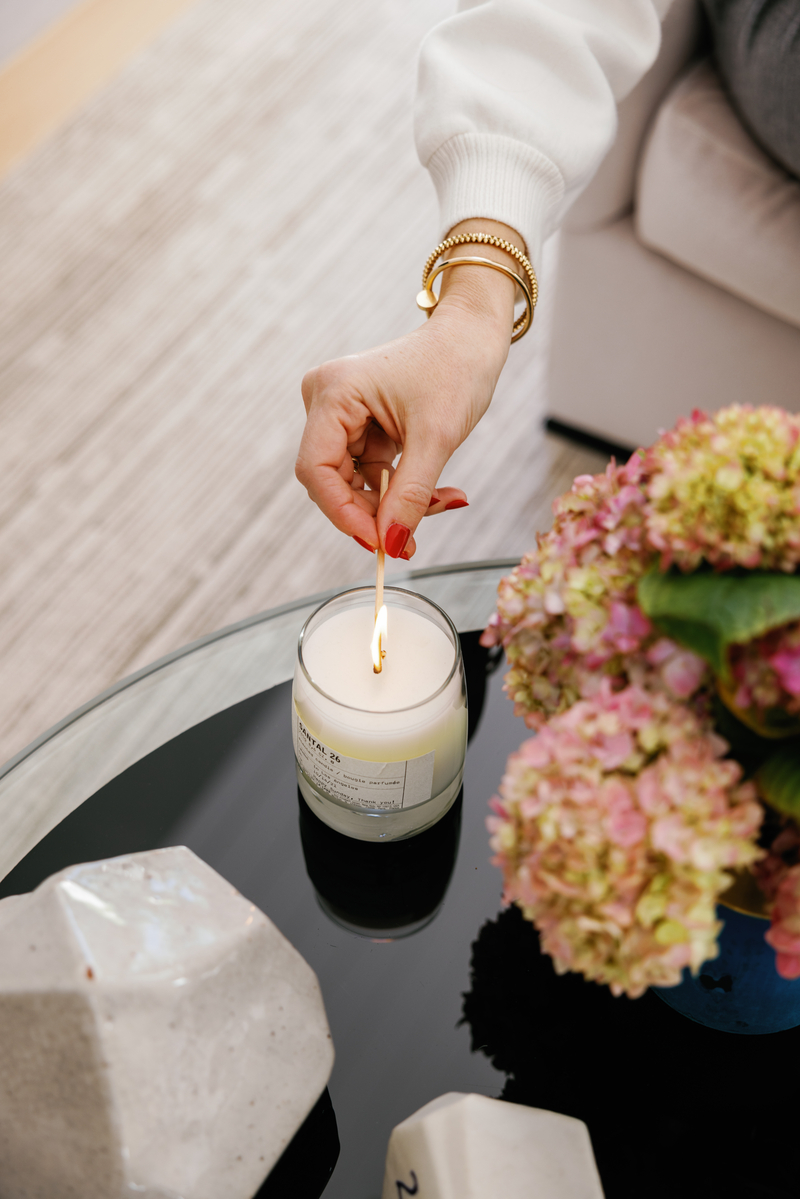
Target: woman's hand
421 395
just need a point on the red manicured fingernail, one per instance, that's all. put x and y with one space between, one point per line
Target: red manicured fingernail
365 544
434 500
405 554
456 504
396 540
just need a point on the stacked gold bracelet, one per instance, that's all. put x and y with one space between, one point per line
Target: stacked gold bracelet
427 301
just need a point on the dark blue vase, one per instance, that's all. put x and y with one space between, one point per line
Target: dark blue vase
739 991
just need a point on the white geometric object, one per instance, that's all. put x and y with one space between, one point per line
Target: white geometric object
470 1147
159 1038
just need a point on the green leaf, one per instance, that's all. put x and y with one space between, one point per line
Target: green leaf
707 612
778 779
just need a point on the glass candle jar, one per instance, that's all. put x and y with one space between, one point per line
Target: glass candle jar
379 756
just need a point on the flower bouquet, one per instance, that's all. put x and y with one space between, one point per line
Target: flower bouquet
653 640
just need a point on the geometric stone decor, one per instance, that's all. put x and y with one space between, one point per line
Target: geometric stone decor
159 1038
471 1147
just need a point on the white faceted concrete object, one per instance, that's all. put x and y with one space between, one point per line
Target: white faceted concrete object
159 1038
471 1147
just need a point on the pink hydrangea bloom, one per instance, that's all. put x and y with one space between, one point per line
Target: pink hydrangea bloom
725 489
778 876
767 671
615 836
567 616
784 933
681 671
614 829
771 870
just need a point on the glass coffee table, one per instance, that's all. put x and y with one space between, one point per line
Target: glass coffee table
429 985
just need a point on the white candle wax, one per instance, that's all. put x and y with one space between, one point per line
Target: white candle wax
382 743
419 657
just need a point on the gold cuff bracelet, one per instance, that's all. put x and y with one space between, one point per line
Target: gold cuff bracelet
427 301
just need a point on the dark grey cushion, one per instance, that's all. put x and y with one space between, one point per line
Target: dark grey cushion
757 48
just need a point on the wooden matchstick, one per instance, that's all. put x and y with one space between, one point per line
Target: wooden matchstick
379 576
381 554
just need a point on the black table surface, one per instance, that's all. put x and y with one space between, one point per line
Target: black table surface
430 985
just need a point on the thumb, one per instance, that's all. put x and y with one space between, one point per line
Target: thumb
409 495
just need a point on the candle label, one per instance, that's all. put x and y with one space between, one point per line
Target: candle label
389 785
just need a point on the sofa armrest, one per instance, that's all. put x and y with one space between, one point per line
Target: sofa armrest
610 194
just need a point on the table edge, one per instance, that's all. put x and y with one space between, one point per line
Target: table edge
228 631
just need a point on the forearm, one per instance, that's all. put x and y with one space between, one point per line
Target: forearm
516 104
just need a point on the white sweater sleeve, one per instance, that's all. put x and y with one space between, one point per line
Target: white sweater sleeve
516 103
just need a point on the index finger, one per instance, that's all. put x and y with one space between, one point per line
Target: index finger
323 448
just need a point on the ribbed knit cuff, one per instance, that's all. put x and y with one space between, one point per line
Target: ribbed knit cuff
492 176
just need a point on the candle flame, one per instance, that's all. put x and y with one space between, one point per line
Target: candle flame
379 640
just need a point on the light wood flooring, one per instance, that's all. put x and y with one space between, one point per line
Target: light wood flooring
242 202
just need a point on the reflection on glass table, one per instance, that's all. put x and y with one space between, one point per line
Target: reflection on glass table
430 986
91 746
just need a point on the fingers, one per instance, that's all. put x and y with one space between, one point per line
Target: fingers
410 490
371 472
340 492
376 454
406 555
348 414
410 550
449 498
348 469
325 468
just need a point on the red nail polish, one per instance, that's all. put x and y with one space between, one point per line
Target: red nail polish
405 554
456 504
365 544
434 500
396 540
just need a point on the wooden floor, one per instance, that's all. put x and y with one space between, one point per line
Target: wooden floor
243 202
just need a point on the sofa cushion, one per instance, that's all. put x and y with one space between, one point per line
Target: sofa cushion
710 199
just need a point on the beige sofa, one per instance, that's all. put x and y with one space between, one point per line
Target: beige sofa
678 281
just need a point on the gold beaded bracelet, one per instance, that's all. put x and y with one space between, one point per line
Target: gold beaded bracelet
427 301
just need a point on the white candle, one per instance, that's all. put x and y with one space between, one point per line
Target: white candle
379 756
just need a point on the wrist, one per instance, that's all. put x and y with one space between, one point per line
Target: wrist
476 332
480 296
477 291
